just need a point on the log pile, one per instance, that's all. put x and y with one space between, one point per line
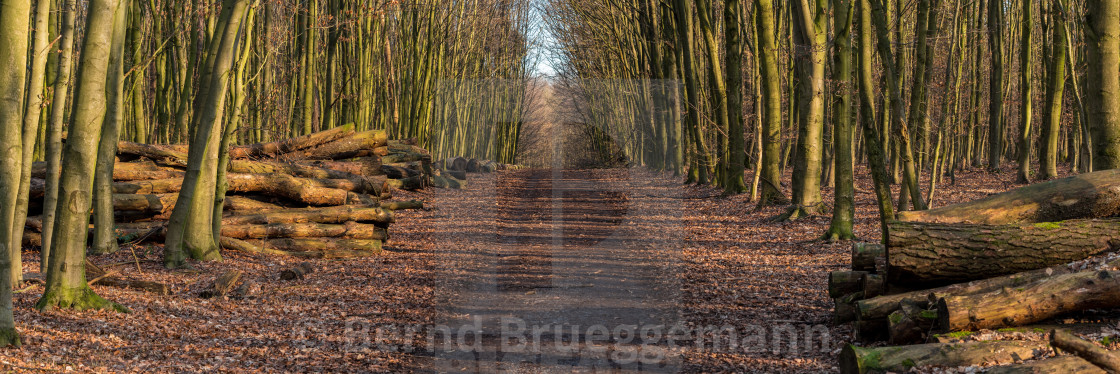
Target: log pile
452 171
322 195
1013 259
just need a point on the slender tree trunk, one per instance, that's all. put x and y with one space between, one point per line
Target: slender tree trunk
900 128
701 164
31 119
732 17
66 286
843 210
104 234
14 26
810 18
54 128
880 175
995 86
1025 94
771 104
1048 160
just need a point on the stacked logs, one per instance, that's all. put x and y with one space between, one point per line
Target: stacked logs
1011 259
321 195
452 171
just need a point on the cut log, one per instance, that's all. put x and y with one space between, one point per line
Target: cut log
399 171
407 184
873 285
222 285
403 205
453 174
860 360
410 154
1040 300
160 154
845 308
321 192
445 182
370 184
103 278
1088 351
362 144
456 164
339 214
925 253
293 247
367 166
1061 364
297 272
864 255
842 283
150 204
291 145
349 230
246 204
472 165
879 307
1090 195
910 324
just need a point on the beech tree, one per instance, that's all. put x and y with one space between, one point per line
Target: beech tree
66 286
14 28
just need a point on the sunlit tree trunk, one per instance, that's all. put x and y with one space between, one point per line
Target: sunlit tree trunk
189 232
771 104
995 86
1102 33
1025 95
66 286
14 26
31 120
104 233
843 210
54 128
1048 158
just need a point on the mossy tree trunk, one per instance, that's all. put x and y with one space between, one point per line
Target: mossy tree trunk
14 19
66 286
188 232
54 127
1048 157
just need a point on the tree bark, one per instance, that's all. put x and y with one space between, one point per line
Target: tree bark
1102 34
66 286
1091 195
1043 299
1063 364
931 253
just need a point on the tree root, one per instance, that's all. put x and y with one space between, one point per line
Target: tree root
81 298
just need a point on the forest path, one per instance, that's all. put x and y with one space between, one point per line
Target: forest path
557 271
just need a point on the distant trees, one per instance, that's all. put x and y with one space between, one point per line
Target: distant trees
930 124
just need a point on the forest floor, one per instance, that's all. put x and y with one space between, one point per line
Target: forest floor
577 254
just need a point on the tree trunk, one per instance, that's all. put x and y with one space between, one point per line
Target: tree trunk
930 253
1025 304
194 208
995 85
771 178
66 286
1055 88
1102 33
860 360
843 209
54 128
31 119
104 240
14 26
